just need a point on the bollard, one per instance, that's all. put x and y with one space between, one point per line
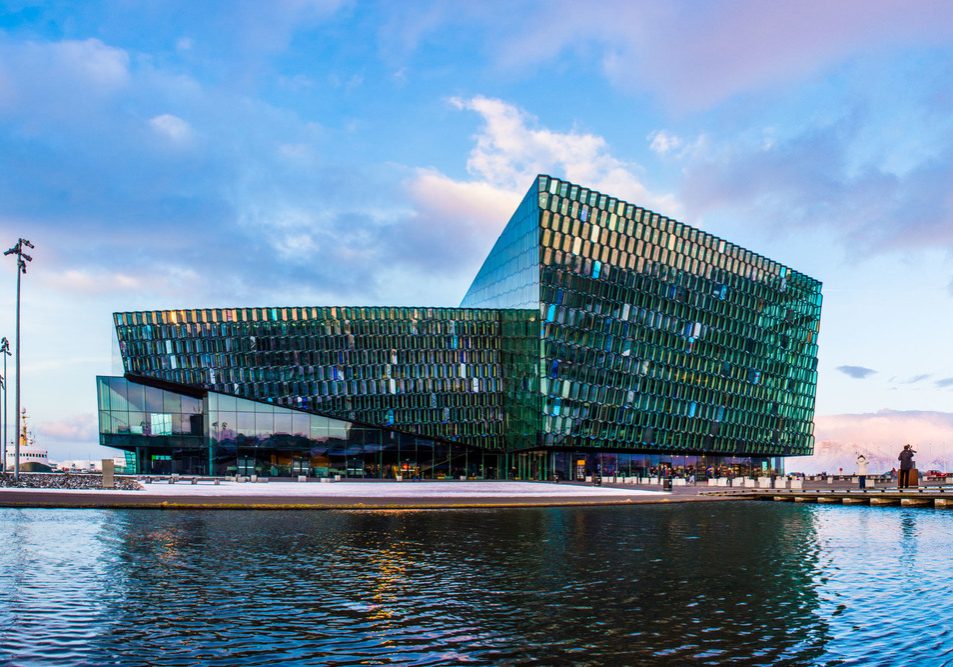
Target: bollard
109 474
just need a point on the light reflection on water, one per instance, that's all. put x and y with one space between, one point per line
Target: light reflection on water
744 583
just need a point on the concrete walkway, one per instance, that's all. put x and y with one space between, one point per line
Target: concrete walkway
338 495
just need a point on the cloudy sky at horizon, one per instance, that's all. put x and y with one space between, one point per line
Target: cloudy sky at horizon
177 154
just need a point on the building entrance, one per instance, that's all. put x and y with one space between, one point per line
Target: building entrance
245 466
533 466
300 466
580 470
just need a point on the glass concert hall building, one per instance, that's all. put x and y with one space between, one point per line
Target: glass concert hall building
597 338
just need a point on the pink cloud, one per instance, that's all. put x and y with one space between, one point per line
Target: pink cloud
879 436
81 428
452 217
694 55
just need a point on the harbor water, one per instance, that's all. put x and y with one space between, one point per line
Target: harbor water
701 583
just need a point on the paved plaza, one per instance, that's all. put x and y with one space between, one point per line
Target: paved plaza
333 495
364 490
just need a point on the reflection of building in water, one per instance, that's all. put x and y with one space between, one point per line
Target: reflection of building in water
388 570
32 457
597 338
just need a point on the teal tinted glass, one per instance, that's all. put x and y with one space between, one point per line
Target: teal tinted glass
592 324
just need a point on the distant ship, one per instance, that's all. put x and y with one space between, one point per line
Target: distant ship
32 458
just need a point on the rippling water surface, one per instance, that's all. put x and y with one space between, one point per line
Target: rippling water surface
740 583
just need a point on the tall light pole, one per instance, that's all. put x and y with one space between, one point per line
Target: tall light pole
3 446
5 351
22 259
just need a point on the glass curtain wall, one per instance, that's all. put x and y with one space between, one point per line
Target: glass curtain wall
582 464
593 325
227 435
432 371
164 431
660 336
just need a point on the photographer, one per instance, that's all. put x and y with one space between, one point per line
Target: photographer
906 465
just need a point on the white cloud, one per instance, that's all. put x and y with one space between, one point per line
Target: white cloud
667 144
97 63
157 278
297 152
92 282
172 128
511 149
36 77
663 142
454 222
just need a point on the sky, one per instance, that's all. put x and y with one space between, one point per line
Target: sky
179 154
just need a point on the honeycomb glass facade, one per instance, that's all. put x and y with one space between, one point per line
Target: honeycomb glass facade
597 336
433 371
660 336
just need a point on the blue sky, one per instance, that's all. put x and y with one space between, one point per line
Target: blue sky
178 154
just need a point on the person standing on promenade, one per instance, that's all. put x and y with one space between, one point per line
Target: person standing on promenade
906 465
862 471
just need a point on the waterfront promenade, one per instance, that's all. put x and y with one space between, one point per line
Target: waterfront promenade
206 494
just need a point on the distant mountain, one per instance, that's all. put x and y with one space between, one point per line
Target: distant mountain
879 436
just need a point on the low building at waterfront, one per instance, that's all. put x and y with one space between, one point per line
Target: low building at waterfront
597 338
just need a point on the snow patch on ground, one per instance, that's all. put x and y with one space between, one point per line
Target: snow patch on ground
359 490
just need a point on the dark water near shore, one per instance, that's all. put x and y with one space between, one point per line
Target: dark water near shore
739 583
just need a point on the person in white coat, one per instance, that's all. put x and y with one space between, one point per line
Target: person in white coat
862 470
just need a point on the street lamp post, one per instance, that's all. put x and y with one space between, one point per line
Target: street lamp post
4 424
22 259
3 445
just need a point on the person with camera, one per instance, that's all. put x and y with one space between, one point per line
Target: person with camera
862 471
906 465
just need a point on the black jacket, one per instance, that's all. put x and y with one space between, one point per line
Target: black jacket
906 459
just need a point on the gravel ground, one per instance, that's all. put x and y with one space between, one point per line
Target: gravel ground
65 481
